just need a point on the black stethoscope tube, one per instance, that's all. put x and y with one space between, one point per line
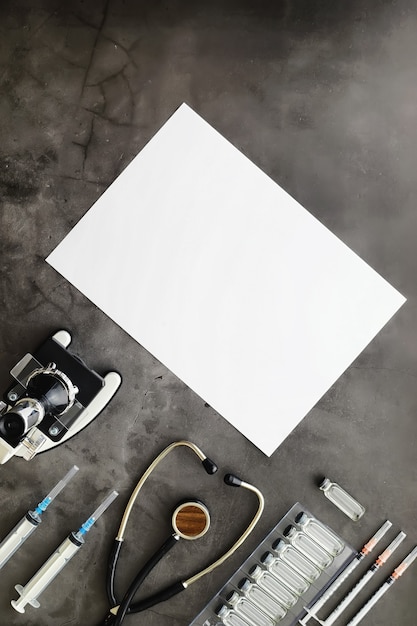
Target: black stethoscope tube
111 571
126 607
141 576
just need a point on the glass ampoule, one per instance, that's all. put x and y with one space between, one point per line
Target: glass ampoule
273 586
295 559
342 499
251 613
308 547
320 533
229 616
261 599
291 579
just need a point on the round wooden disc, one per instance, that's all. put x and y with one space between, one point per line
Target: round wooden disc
191 520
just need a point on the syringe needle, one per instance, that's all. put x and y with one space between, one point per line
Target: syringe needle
57 489
97 513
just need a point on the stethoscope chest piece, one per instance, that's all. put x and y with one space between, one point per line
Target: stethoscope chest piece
191 519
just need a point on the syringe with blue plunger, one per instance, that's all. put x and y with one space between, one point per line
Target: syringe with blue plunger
57 561
29 523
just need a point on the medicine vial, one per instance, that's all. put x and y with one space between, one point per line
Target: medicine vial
295 559
320 533
261 599
251 613
272 586
342 499
308 547
229 617
291 579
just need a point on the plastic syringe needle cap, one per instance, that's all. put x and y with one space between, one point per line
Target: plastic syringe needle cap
390 549
62 483
56 490
370 545
406 563
98 512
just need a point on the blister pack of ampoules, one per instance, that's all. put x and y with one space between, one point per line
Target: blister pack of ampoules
292 566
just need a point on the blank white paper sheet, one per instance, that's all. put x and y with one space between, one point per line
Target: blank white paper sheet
226 279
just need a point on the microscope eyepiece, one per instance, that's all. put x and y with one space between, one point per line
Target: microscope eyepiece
26 413
12 426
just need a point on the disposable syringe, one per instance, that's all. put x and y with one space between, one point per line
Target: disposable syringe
29 523
383 558
399 571
57 561
345 573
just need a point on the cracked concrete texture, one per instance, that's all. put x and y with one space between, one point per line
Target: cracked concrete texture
322 98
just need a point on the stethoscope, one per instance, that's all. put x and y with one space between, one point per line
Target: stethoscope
190 521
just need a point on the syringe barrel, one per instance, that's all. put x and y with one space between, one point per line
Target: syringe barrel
368 606
349 597
344 575
17 536
49 570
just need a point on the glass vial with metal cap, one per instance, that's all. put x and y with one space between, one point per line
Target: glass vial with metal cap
286 574
251 613
295 559
261 599
308 547
229 616
272 586
320 533
342 499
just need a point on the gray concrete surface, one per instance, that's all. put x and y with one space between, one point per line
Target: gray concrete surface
322 96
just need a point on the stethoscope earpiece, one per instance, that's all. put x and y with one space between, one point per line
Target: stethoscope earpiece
191 520
209 466
232 480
